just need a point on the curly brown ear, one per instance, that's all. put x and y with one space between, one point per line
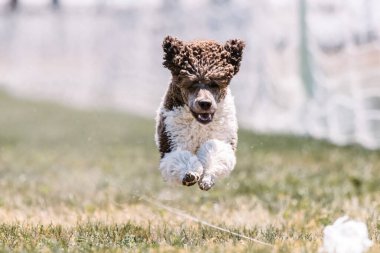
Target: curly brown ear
235 48
172 47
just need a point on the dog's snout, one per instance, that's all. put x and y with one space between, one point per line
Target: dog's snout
204 104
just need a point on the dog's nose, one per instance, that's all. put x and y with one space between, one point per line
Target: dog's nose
204 104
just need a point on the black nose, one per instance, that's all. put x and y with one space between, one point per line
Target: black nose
204 105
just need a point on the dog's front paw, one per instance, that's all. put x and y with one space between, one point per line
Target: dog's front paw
206 183
190 178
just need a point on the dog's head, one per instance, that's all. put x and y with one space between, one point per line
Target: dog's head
202 70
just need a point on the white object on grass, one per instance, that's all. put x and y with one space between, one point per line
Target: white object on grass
346 236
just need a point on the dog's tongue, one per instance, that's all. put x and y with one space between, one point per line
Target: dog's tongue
204 116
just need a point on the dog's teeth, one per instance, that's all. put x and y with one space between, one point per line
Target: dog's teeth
204 116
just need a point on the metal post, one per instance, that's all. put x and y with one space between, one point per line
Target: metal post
13 4
55 4
305 68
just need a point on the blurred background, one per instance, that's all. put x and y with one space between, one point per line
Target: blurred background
310 67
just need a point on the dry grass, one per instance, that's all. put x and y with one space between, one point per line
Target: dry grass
70 181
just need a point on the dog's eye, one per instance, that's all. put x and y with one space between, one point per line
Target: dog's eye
214 85
192 87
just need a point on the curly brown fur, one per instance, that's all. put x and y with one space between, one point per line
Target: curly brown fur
163 138
203 59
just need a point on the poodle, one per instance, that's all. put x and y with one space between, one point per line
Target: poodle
196 126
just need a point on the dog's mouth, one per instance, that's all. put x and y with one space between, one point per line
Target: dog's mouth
203 118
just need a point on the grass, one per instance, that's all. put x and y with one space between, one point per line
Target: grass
70 180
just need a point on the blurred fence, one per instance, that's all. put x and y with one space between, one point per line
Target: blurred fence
310 66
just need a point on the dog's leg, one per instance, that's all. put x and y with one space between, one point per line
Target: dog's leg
181 166
218 160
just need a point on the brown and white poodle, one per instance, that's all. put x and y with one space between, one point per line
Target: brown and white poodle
196 128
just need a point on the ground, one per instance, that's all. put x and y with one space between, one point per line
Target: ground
72 180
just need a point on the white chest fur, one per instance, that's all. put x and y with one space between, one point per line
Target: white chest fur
185 133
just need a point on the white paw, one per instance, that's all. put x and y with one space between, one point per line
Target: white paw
206 182
190 178
181 167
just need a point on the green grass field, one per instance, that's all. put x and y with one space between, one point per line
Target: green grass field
70 180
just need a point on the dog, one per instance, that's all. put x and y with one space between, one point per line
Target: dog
196 126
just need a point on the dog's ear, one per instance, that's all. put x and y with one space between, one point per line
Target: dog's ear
172 47
235 49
